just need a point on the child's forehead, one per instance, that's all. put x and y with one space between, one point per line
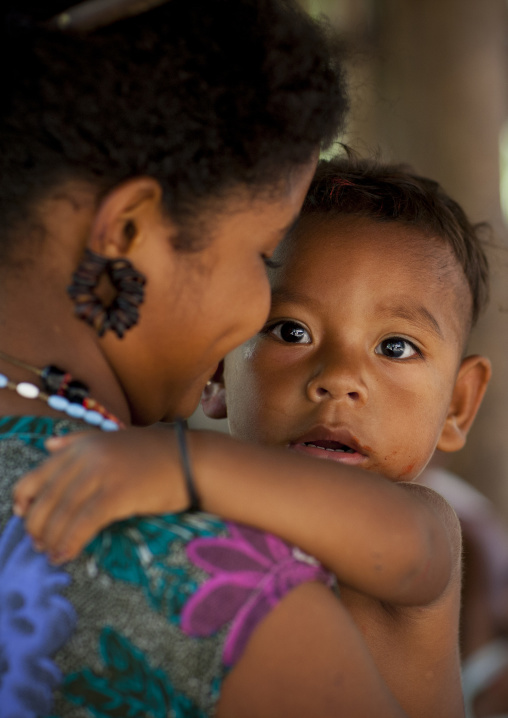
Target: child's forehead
322 239
349 251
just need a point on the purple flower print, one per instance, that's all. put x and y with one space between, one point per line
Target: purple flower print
35 621
251 572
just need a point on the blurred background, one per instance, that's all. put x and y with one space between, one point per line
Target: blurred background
429 86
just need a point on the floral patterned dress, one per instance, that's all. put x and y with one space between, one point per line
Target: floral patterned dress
147 622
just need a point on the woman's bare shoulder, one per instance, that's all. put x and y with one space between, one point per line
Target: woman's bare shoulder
307 658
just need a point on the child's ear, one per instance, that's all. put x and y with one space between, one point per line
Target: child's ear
470 386
213 399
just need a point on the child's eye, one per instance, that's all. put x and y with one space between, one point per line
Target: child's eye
397 348
290 332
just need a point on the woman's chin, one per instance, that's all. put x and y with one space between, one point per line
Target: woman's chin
187 404
178 403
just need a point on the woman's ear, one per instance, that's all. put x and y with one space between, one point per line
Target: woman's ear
127 213
470 385
213 399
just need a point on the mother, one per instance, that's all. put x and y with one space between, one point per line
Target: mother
157 152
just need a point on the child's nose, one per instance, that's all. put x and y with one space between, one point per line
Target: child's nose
337 381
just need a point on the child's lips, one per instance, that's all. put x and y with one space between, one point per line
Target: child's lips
351 458
340 446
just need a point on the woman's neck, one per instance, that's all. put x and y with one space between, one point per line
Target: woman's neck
38 327
37 321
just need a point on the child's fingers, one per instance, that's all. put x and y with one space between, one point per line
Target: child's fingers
86 508
32 483
79 514
57 443
77 531
46 500
25 490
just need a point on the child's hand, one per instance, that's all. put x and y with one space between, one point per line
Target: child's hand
93 479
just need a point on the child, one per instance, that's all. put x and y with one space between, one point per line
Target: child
361 362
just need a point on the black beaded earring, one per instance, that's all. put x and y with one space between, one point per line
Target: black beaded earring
123 312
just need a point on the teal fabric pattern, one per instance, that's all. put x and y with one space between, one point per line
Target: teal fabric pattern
125 549
131 688
128 656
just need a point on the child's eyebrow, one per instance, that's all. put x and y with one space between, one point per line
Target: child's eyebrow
287 296
418 315
295 299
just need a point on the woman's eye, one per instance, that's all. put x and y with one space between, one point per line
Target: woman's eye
290 332
397 348
269 262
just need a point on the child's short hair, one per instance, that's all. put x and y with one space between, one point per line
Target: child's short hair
385 192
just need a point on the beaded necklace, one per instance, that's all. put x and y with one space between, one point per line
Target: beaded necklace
62 393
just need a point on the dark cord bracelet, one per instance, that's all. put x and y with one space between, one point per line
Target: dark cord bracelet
194 502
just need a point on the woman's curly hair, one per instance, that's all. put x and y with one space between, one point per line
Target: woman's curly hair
200 94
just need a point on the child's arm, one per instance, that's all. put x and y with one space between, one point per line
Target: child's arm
384 539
